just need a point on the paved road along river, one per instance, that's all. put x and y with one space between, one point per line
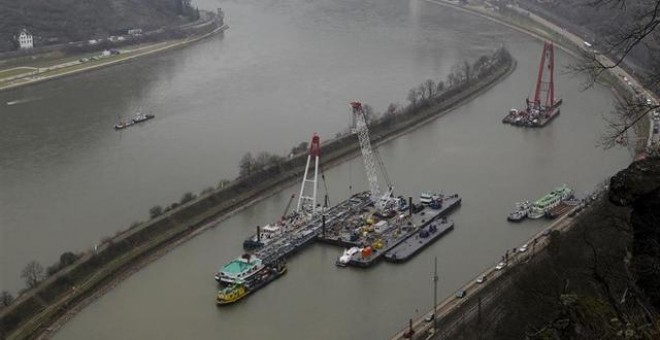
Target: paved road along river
284 69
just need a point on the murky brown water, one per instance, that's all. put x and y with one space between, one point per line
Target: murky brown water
285 69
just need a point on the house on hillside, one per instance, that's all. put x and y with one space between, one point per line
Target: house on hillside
135 32
25 39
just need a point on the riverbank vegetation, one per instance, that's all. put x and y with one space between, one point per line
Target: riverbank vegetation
259 176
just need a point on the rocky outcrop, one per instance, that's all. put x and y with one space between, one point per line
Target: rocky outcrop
638 187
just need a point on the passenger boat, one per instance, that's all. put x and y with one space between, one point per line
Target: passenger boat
239 290
521 211
139 118
549 201
240 269
123 125
231 294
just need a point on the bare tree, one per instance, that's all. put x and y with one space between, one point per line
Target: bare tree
67 258
302 147
457 76
421 89
155 211
430 88
392 109
32 274
6 298
247 164
440 87
262 159
223 183
480 65
637 28
187 197
467 70
412 97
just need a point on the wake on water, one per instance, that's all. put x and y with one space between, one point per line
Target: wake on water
22 101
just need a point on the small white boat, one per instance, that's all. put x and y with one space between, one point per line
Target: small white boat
521 211
425 198
345 258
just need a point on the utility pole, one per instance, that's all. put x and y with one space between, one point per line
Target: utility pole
435 295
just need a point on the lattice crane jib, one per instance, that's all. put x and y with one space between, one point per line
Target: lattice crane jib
362 132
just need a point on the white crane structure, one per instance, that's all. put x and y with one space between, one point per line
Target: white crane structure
307 202
362 131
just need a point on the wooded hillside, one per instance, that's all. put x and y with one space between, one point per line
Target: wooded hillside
75 20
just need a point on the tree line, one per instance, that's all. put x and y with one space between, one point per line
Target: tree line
429 92
33 273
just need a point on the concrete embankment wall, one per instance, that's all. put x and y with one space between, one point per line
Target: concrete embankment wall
63 293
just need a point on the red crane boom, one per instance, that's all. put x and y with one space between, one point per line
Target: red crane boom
545 88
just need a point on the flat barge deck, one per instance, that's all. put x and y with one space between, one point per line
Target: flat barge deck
291 242
407 249
377 235
356 223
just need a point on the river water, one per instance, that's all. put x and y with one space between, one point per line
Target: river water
284 70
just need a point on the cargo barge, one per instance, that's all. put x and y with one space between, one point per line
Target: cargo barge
562 208
534 115
375 235
139 118
418 241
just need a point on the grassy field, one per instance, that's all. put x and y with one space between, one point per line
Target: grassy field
16 71
126 54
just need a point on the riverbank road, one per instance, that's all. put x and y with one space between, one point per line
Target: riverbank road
486 8
481 290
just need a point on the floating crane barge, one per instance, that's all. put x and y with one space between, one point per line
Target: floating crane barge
376 235
372 224
544 107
